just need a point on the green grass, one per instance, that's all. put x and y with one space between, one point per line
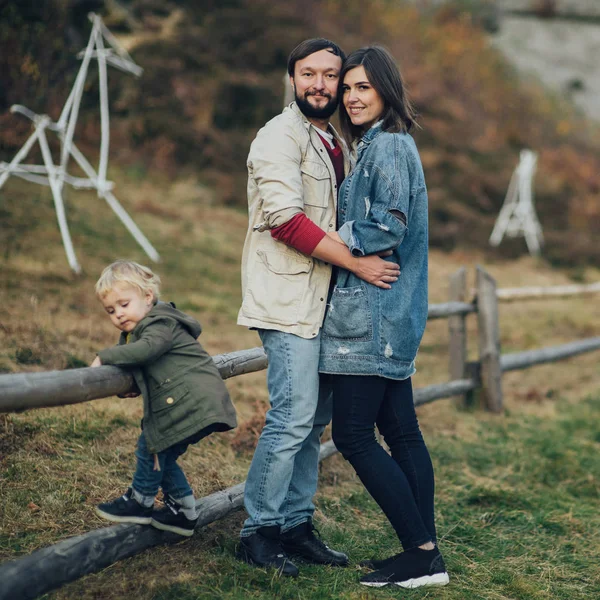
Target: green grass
517 494
517 515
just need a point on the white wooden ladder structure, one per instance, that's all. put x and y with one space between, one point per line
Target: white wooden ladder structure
517 216
55 175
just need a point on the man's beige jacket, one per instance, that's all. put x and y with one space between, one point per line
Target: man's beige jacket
289 171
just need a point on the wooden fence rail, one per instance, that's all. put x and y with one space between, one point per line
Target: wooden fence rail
557 291
23 391
488 370
45 569
524 360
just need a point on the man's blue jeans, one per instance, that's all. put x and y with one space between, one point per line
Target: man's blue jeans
282 479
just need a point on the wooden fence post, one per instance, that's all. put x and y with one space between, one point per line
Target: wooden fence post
489 340
457 331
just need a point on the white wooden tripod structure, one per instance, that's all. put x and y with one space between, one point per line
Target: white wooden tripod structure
517 216
56 175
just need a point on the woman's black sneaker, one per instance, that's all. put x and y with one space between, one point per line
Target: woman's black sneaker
172 518
125 509
413 568
378 563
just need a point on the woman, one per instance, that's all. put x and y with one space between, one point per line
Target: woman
370 335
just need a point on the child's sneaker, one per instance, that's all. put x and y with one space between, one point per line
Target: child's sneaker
172 518
411 569
125 509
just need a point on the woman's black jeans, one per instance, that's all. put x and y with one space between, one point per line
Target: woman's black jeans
402 484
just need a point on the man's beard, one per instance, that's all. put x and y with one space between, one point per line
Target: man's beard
314 112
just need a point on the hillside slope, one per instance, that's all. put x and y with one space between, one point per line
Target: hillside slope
517 492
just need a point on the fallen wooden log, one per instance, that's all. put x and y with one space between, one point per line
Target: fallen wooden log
48 568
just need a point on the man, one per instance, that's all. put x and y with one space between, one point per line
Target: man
295 167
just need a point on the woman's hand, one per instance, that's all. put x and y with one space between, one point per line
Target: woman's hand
97 362
376 271
372 269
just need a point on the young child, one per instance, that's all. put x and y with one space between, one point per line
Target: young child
185 398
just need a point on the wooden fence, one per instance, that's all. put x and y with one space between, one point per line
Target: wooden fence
48 568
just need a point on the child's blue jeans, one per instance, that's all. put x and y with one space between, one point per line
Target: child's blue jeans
171 478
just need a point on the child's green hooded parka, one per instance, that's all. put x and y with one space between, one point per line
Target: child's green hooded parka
181 386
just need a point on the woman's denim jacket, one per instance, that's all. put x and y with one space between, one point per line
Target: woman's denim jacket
382 206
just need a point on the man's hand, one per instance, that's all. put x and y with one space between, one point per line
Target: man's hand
97 362
376 271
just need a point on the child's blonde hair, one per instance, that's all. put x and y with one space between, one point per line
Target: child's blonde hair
131 273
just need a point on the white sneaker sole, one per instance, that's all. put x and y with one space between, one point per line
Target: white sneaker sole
172 528
116 519
437 579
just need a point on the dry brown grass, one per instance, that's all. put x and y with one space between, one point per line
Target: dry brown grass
58 463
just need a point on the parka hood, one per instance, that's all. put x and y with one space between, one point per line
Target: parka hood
167 309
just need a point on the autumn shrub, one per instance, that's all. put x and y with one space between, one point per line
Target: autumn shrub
213 74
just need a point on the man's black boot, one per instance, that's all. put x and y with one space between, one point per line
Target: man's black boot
301 541
263 548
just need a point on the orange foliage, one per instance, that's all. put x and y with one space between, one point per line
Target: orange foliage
206 91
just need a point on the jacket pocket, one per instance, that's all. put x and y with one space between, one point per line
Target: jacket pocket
277 282
171 408
316 183
167 397
349 315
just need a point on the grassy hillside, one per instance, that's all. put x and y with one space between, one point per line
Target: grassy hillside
517 516
517 493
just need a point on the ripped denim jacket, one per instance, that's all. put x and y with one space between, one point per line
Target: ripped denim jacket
382 206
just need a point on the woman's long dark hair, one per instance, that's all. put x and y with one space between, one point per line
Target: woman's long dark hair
383 74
